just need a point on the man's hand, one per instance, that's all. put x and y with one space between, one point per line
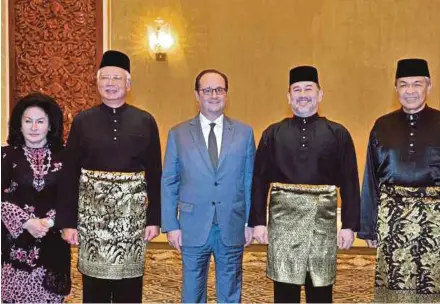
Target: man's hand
345 238
70 235
175 239
151 232
248 236
371 243
260 234
36 227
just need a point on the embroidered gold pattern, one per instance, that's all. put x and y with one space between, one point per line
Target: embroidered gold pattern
302 233
111 222
408 255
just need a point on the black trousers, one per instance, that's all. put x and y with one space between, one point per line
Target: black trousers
112 291
291 293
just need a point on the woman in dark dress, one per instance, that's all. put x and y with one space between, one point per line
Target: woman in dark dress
35 260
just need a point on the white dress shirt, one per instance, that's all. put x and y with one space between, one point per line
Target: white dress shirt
218 130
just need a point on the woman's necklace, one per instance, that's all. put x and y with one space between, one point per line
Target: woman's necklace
35 158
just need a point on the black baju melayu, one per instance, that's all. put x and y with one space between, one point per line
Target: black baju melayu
113 164
401 205
302 161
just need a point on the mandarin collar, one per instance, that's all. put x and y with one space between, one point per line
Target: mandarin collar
305 120
414 116
111 110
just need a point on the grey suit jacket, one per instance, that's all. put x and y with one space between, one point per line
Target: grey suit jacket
192 190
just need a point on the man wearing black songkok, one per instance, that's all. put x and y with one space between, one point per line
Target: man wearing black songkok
302 161
109 202
400 209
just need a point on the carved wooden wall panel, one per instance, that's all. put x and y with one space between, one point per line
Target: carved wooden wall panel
54 48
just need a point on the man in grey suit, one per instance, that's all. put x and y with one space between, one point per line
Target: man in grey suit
206 188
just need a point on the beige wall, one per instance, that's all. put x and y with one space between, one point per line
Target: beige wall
354 44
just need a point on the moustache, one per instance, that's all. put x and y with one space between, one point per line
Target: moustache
304 98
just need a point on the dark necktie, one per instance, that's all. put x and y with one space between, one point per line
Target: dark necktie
212 146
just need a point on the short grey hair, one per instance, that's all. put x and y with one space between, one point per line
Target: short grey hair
428 81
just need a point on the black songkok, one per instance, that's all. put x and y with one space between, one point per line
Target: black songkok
303 73
115 58
412 67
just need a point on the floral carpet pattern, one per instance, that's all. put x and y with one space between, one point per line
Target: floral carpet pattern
162 280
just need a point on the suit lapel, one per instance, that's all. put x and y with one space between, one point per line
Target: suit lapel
197 134
228 133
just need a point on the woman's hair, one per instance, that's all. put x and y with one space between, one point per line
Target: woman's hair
50 107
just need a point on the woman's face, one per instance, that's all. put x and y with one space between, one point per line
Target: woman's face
34 126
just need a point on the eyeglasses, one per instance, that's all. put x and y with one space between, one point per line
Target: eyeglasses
209 91
111 77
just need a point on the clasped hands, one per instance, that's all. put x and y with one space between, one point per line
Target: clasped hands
38 227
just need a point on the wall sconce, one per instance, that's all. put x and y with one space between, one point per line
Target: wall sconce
160 38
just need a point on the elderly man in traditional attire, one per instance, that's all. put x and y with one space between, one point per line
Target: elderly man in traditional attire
401 192
110 199
302 161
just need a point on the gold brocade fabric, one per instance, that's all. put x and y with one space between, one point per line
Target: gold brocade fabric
302 234
408 254
111 223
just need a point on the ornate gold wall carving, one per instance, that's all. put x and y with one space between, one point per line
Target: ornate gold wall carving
54 49
4 70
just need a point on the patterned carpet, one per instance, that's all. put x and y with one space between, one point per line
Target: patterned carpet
162 282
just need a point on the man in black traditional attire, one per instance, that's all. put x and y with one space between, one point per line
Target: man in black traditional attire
113 163
400 210
302 161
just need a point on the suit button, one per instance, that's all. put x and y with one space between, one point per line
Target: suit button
213 203
216 184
